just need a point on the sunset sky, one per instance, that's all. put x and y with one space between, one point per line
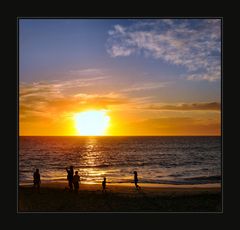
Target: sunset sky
150 76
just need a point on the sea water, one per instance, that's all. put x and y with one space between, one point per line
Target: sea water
159 160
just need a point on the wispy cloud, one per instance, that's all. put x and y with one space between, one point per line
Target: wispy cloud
46 99
78 79
192 43
145 86
88 72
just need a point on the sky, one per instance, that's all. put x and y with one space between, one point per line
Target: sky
151 76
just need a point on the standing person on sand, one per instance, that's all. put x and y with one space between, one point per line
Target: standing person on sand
136 180
76 179
70 177
104 184
36 179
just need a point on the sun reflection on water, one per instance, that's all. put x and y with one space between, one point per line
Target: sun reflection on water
93 156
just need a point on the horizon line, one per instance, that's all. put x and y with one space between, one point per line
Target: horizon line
120 136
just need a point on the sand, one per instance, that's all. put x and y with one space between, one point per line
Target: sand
55 197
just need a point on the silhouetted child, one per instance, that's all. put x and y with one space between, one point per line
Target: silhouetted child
70 177
36 179
136 180
104 185
76 179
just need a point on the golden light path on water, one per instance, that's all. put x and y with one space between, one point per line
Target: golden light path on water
92 159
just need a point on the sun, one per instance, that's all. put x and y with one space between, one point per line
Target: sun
92 122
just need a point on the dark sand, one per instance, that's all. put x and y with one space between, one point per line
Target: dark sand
54 197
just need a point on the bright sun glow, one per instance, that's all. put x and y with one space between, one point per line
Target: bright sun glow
92 123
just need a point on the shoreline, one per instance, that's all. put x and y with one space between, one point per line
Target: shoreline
61 184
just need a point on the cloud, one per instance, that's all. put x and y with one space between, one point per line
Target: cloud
146 86
88 72
40 100
120 51
194 44
211 76
215 106
57 86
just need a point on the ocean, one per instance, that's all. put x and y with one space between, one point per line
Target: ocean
158 160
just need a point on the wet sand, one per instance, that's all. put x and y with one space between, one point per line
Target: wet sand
55 197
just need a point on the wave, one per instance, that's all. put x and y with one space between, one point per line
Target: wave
206 178
186 181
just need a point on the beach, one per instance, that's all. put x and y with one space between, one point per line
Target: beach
55 197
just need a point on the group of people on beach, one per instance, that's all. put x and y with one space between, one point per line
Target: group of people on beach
74 179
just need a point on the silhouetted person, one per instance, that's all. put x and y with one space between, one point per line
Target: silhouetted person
36 179
104 185
76 179
70 177
136 180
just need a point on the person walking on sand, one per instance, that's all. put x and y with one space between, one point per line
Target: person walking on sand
136 180
36 179
70 177
76 179
104 184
